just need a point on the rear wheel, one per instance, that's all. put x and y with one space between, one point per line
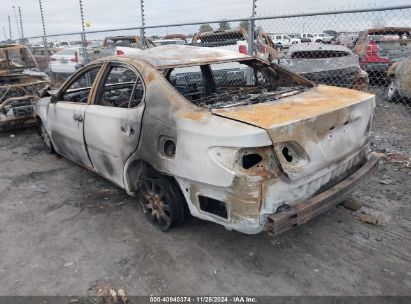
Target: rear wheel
46 139
391 92
162 201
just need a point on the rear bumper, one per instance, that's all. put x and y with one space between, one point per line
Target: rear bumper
304 211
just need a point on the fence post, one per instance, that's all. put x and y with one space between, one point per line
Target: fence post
142 34
46 47
251 36
83 34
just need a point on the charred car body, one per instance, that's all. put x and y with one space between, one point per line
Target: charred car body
21 85
326 64
264 153
399 75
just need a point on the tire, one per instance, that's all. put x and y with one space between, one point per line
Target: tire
391 92
46 139
162 201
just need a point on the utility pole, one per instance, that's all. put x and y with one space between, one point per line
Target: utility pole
143 24
17 21
251 30
44 36
10 36
83 34
21 23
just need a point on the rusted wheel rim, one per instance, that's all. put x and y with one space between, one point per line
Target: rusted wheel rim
155 202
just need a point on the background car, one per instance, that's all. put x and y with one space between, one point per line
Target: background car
379 48
237 41
307 37
67 60
323 37
21 85
42 56
284 40
327 64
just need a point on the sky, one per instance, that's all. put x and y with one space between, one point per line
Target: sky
63 16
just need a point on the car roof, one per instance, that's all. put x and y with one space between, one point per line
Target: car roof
318 46
186 55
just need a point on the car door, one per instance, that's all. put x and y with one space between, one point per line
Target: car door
66 115
113 123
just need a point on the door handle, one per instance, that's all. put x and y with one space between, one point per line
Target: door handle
77 117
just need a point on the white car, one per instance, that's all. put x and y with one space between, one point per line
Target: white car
307 37
284 40
67 61
61 44
322 37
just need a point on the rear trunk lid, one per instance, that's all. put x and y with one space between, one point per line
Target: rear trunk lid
312 130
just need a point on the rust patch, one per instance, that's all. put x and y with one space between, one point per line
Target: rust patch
313 103
150 77
196 116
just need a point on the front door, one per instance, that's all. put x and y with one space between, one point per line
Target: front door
67 115
113 123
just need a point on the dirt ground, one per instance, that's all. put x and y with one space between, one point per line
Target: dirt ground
67 231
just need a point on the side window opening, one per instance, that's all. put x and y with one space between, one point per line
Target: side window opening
122 88
80 88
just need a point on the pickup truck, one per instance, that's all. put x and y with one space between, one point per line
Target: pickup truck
120 46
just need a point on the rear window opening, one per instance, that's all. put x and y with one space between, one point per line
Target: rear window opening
234 83
318 54
218 39
213 206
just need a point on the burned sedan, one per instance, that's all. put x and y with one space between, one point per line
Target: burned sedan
21 85
267 151
326 64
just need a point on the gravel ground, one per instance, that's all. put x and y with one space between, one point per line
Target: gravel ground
67 231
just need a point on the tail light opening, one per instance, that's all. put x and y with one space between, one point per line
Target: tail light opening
119 53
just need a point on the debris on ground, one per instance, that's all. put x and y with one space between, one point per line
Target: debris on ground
42 189
351 204
386 180
369 219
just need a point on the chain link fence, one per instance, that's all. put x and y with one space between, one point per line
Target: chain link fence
368 50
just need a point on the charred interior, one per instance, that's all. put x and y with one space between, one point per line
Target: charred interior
235 83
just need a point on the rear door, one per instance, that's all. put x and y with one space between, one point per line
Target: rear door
66 115
113 123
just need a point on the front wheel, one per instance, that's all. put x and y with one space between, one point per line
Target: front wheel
46 139
162 201
391 92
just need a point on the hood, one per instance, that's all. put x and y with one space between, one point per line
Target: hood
316 128
303 66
